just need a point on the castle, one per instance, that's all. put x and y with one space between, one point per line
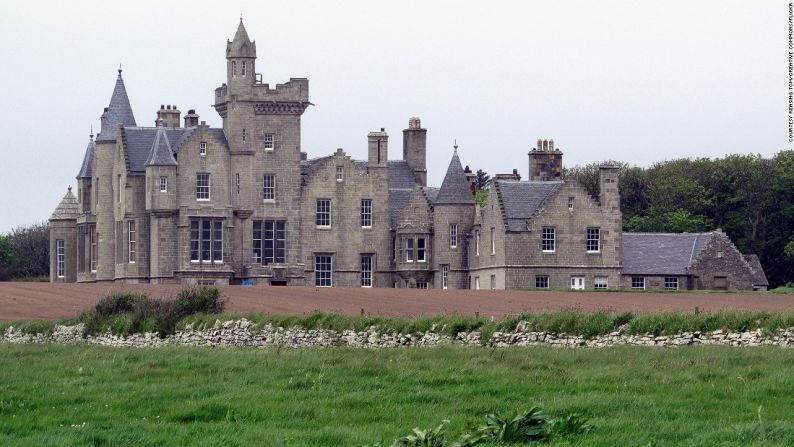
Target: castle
184 202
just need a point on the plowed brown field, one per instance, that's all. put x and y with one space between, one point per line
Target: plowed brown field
20 301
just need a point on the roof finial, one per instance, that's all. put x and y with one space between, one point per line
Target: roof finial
69 188
241 17
92 133
119 71
456 145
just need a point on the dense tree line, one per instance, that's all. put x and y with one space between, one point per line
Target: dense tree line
749 197
25 253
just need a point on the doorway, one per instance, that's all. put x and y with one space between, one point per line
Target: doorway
577 282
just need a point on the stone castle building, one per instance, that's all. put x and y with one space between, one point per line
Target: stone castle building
184 202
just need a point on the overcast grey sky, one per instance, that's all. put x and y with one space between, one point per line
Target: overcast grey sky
627 80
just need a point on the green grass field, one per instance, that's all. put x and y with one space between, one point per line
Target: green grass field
80 395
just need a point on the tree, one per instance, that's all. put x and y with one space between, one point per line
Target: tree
482 181
31 245
8 259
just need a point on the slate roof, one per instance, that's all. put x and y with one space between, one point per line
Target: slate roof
759 277
160 154
431 194
241 44
661 253
401 184
455 188
520 200
139 142
86 169
67 209
119 112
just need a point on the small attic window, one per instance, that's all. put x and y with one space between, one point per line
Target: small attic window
570 203
203 148
340 173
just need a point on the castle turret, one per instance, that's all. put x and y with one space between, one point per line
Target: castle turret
378 148
240 59
545 162
415 149
84 177
63 240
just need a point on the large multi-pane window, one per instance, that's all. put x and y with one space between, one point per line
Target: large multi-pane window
269 187
671 282
268 141
421 250
547 239
206 240
366 213
202 186
366 270
132 237
453 235
600 282
409 250
60 258
445 276
322 270
542 281
323 215
593 240
638 282
93 241
270 241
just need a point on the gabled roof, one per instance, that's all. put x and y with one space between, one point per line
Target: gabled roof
161 154
139 141
455 188
86 169
520 200
661 253
759 277
119 112
67 209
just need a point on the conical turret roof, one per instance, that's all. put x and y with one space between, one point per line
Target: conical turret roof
119 112
241 45
67 209
161 154
86 169
455 188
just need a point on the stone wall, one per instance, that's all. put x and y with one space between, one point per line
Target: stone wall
241 333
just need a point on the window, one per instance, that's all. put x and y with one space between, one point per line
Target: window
340 173
547 240
269 187
420 250
366 271
206 240
477 242
237 182
421 284
322 270
720 282
203 148
593 240
60 258
163 184
270 241
638 282
202 186
234 68
394 249
93 241
671 283
323 216
243 69
131 239
493 241
476 283
570 203
243 135
445 276
409 250
542 282
453 235
600 282
366 213
268 141
493 282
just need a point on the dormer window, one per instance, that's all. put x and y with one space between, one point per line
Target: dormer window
203 148
268 141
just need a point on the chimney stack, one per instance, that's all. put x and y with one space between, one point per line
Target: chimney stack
545 162
378 148
169 115
415 149
191 119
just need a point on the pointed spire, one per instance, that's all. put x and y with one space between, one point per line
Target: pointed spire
118 112
67 209
161 154
86 169
455 187
241 45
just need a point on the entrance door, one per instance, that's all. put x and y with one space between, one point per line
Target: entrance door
577 282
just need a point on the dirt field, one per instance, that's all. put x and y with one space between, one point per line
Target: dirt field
20 301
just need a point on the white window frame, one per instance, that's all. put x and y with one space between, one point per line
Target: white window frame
322 216
211 245
453 235
421 249
421 284
202 189
593 236
601 283
203 148
60 262
163 183
570 203
493 241
269 188
323 281
366 213
409 250
366 270
636 280
476 283
477 242
445 276
542 281
548 238
668 280
269 141
340 173
132 241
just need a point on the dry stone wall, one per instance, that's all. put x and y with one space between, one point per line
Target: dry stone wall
241 333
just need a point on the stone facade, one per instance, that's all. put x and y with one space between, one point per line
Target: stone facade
245 204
